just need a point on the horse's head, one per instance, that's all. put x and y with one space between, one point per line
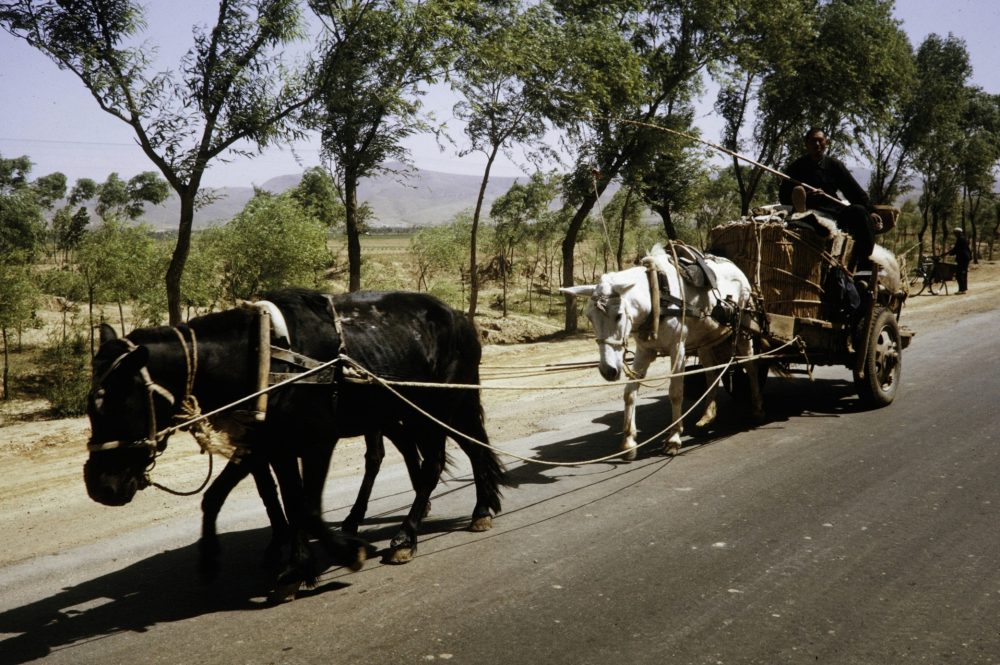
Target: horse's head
123 405
611 313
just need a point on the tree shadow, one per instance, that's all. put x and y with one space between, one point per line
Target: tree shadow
160 589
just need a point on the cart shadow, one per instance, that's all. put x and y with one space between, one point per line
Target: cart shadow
163 588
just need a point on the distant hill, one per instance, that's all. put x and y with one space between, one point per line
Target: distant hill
424 198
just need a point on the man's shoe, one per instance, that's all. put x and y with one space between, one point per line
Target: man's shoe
799 198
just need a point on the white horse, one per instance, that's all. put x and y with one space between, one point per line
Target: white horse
621 304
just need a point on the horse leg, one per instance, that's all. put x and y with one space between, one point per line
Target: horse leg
374 454
744 347
403 546
211 504
672 446
407 447
487 471
709 358
267 490
640 364
303 519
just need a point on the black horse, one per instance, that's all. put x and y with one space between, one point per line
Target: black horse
138 382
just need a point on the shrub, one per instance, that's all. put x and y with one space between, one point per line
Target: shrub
67 373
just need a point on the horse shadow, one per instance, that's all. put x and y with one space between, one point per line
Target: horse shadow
785 398
162 588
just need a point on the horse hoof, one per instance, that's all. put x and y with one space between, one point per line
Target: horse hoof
350 526
399 555
359 561
284 592
484 523
629 455
672 449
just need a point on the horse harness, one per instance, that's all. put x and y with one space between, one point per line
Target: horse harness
279 363
693 269
156 440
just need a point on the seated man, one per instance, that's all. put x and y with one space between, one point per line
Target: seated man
829 174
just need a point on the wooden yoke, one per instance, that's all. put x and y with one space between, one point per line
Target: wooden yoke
263 362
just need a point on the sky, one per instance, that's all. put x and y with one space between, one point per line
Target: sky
47 114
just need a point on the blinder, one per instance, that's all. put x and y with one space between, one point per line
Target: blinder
153 441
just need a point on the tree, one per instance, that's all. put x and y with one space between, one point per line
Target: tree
376 54
943 70
18 300
513 213
317 194
625 66
499 108
980 152
273 242
126 200
667 181
119 263
231 92
440 249
831 64
22 225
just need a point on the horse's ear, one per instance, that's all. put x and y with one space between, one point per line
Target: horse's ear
583 291
134 360
107 333
619 289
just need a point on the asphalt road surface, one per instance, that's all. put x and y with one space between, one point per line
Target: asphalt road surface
829 534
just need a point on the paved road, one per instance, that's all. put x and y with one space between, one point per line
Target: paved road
828 535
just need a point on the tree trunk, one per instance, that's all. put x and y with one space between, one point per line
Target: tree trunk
474 236
181 250
568 248
353 233
668 221
6 365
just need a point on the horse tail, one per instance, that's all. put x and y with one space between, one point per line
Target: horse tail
470 420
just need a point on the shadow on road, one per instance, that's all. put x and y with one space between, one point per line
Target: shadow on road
785 398
159 589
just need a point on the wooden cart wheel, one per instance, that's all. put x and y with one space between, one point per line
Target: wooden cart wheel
876 377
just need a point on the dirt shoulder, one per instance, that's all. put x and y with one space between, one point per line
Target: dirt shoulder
44 507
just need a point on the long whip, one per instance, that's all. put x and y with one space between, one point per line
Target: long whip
736 155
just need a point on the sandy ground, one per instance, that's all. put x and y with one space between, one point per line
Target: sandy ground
44 507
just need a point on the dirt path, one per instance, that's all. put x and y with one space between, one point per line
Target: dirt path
44 507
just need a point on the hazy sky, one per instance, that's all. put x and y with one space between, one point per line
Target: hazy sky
47 114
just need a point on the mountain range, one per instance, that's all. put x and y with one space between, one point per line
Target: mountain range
419 198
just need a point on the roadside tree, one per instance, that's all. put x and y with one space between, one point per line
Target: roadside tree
231 93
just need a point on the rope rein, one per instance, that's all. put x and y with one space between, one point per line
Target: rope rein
391 386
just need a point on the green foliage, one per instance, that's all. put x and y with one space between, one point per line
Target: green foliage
376 56
272 243
201 288
66 367
126 200
231 86
440 250
18 294
318 196
121 264
67 284
22 227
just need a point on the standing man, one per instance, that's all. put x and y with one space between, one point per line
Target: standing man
819 170
963 255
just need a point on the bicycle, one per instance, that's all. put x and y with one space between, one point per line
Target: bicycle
932 274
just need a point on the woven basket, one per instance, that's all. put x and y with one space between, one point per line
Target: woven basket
786 266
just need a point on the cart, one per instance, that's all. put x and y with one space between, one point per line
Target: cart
816 312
